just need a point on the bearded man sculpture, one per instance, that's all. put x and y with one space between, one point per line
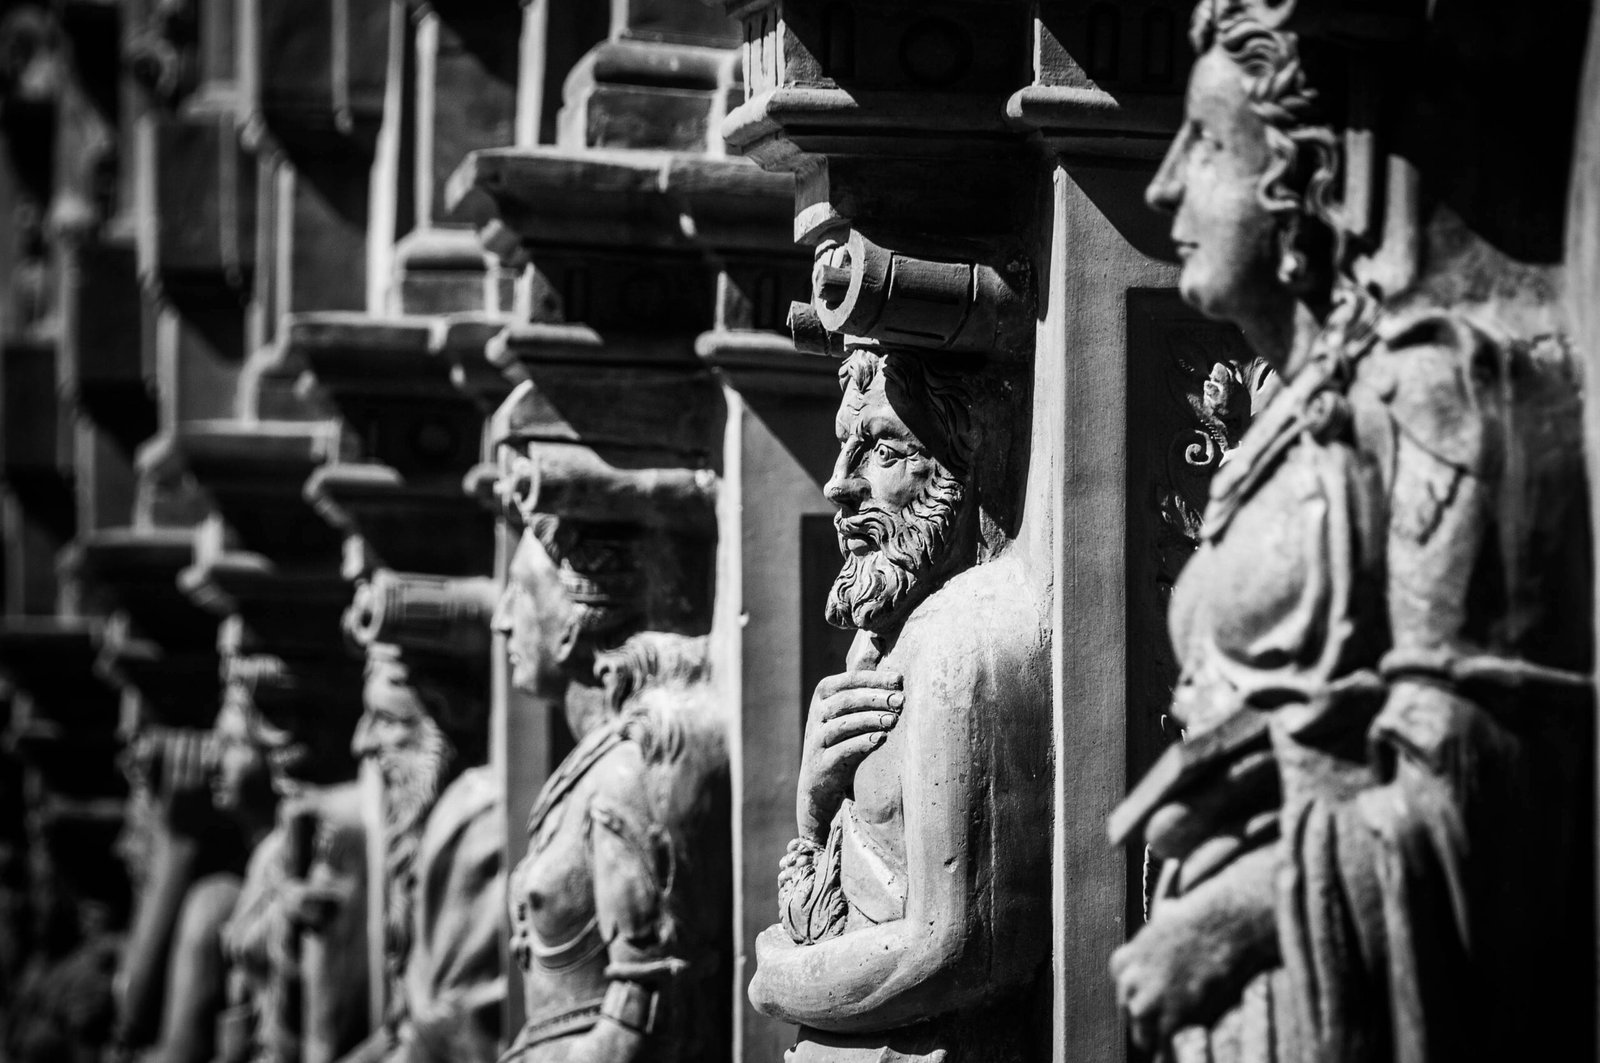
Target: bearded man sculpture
1374 829
620 907
912 898
426 726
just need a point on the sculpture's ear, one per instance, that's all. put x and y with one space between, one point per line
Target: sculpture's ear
568 645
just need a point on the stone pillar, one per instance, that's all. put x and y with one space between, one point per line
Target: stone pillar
1121 449
453 81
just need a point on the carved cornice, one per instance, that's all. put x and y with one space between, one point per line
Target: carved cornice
137 568
634 200
240 583
255 472
647 95
71 711
392 519
781 127
763 363
463 342
393 387
1089 121
891 116
613 396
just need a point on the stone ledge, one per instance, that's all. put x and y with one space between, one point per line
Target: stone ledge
632 200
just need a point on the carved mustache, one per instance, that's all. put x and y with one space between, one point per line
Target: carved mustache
873 522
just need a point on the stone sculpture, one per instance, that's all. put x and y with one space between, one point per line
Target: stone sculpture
306 881
201 824
619 910
1384 697
64 1010
426 727
911 898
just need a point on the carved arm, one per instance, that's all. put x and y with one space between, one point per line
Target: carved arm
936 958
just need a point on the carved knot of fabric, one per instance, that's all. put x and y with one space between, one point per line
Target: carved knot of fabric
811 904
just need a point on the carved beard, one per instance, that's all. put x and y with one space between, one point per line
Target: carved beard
411 777
909 549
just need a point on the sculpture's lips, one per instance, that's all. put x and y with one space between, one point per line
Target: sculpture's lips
855 533
1185 248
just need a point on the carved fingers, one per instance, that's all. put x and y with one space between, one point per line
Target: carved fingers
1197 952
186 759
854 713
851 715
845 682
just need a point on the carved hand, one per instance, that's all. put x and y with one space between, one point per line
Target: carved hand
851 714
185 765
1197 952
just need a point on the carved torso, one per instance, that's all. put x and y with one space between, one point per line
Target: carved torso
972 662
604 884
555 933
1359 554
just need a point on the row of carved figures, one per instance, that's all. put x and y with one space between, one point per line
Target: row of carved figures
1372 842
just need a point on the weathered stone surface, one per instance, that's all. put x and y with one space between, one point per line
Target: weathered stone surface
426 729
619 905
1367 698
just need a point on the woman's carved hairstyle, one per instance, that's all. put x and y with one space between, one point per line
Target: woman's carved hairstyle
1301 180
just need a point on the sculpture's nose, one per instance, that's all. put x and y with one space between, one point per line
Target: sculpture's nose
500 622
1165 190
845 488
361 743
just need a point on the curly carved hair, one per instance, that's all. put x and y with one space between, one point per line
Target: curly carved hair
1301 180
949 395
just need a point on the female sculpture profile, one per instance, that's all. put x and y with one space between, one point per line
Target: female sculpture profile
1372 830
618 910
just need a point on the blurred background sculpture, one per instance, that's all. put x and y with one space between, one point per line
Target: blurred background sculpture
297 938
618 909
426 728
